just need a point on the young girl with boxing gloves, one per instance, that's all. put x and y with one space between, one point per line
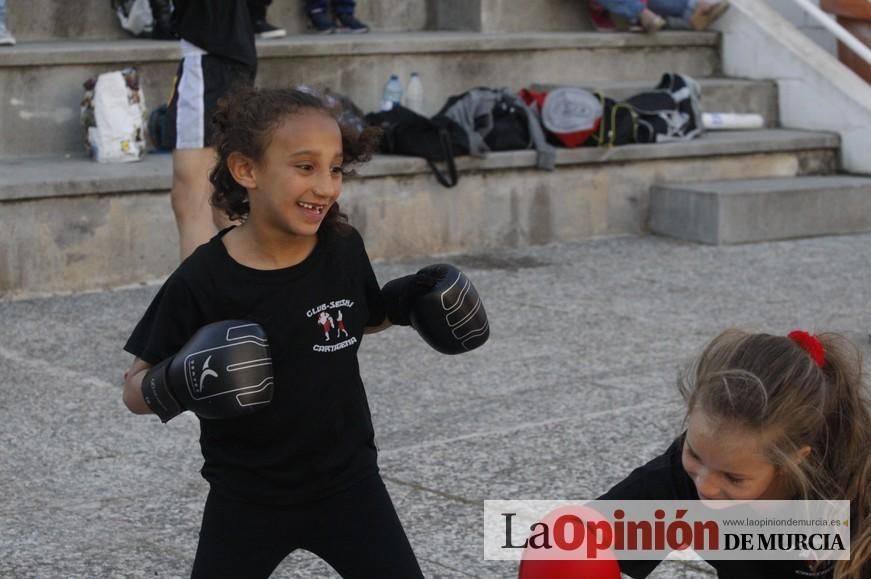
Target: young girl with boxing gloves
770 417
296 284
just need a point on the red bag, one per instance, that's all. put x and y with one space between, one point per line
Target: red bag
569 114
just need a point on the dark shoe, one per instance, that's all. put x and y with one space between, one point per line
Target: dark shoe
161 10
348 23
264 29
321 23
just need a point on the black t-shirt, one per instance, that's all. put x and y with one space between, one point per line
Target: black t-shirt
316 435
220 27
664 478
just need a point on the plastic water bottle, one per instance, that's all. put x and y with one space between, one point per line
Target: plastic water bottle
732 121
392 93
414 94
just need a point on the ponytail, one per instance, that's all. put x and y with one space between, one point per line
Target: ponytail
805 391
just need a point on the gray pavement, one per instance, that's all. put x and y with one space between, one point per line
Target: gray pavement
574 389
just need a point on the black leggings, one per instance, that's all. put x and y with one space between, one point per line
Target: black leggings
356 531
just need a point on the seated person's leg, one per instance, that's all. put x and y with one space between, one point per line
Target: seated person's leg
699 14
628 9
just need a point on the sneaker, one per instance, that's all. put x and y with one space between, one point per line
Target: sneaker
651 22
6 38
348 23
321 23
706 12
623 24
264 29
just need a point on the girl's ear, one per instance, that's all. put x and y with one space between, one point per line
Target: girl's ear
802 453
242 170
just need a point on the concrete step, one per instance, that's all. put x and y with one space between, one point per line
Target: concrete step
71 224
53 20
42 82
747 210
95 20
721 95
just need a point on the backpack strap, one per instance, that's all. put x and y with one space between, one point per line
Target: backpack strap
452 178
546 158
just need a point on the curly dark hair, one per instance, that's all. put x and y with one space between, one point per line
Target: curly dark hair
244 123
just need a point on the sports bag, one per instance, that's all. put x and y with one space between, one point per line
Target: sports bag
569 115
618 126
670 112
510 130
160 133
436 140
497 120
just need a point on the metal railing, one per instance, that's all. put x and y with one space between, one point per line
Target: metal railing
826 21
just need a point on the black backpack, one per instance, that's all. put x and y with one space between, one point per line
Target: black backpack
669 112
504 127
619 124
510 130
437 140
498 120
161 132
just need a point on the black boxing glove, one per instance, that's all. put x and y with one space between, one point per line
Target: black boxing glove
224 371
399 294
450 316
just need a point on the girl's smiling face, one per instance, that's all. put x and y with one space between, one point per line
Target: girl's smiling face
726 461
299 176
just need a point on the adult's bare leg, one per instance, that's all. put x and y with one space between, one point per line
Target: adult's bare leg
191 191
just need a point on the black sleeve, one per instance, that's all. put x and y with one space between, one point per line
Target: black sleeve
663 478
374 299
172 318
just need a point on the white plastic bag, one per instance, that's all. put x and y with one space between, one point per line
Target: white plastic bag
135 16
114 116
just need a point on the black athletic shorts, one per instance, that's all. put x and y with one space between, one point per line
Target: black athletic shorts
201 81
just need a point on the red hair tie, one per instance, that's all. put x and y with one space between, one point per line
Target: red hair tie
810 344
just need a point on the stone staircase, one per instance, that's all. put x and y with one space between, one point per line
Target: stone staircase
748 210
67 223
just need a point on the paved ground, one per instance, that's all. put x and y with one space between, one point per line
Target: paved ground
574 388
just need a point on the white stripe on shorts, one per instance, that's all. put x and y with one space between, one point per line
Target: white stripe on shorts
190 116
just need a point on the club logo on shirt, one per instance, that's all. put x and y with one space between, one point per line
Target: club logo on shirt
330 318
